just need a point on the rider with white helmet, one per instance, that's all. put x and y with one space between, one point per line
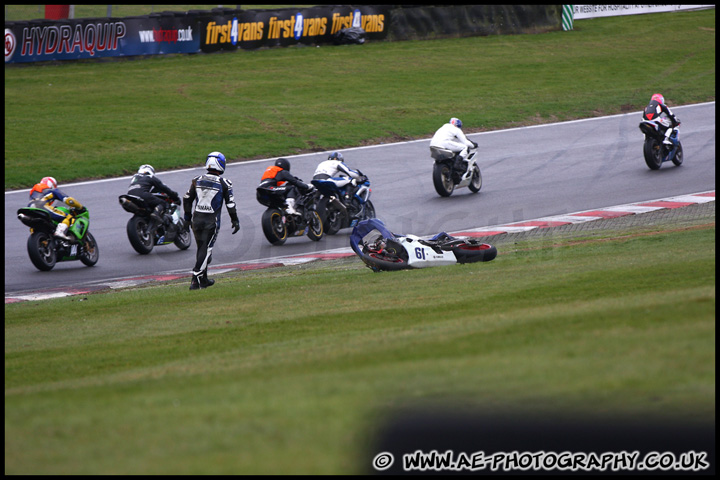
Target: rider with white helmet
451 137
44 194
208 192
144 183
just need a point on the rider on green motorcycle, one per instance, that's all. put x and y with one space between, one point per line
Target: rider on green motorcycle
44 194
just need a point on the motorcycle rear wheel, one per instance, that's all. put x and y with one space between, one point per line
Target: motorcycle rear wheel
678 159
476 183
333 220
471 253
652 151
41 250
91 253
140 234
273 226
442 179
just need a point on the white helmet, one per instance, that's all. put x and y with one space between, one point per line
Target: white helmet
49 181
146 170
215 161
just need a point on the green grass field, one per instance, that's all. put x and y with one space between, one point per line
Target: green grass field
288 370
90 120
258 375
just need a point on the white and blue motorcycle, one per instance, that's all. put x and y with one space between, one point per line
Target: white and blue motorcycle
382 250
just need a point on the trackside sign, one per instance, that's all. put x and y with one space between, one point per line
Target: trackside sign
593 11
186 32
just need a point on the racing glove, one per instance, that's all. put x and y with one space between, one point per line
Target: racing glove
235 226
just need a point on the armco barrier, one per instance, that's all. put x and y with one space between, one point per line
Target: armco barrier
224 29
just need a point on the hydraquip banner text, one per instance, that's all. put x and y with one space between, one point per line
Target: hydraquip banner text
97 38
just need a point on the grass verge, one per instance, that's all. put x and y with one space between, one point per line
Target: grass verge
286 370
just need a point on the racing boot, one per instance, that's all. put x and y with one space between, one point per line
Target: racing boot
667 140
290 202
157 214
206 282
195 283
61 231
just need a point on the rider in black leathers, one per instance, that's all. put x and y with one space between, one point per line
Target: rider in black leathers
279 175
144 184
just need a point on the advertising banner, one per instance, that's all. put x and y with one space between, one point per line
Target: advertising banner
220 29
97 38
251 29
593 11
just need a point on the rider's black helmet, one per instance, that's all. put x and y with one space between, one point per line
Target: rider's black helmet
283 163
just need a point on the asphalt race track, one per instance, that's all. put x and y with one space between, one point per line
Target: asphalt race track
528 173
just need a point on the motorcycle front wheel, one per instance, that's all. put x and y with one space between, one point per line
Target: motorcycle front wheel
41 249
442 179
315 228
476 183
369 211
140 234
652 151
91 252
273 226
183 239
678 159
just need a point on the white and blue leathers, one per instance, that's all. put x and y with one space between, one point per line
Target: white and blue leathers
337 172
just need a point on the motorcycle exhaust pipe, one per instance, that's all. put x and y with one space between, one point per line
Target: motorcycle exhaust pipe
339 205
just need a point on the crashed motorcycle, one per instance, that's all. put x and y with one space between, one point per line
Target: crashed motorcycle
339 209
45 249
278 224
145 233
382 250
655 151
448 174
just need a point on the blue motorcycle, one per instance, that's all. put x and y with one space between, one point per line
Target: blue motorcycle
656 152
340 208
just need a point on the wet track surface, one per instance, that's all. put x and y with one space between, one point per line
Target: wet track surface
527 173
